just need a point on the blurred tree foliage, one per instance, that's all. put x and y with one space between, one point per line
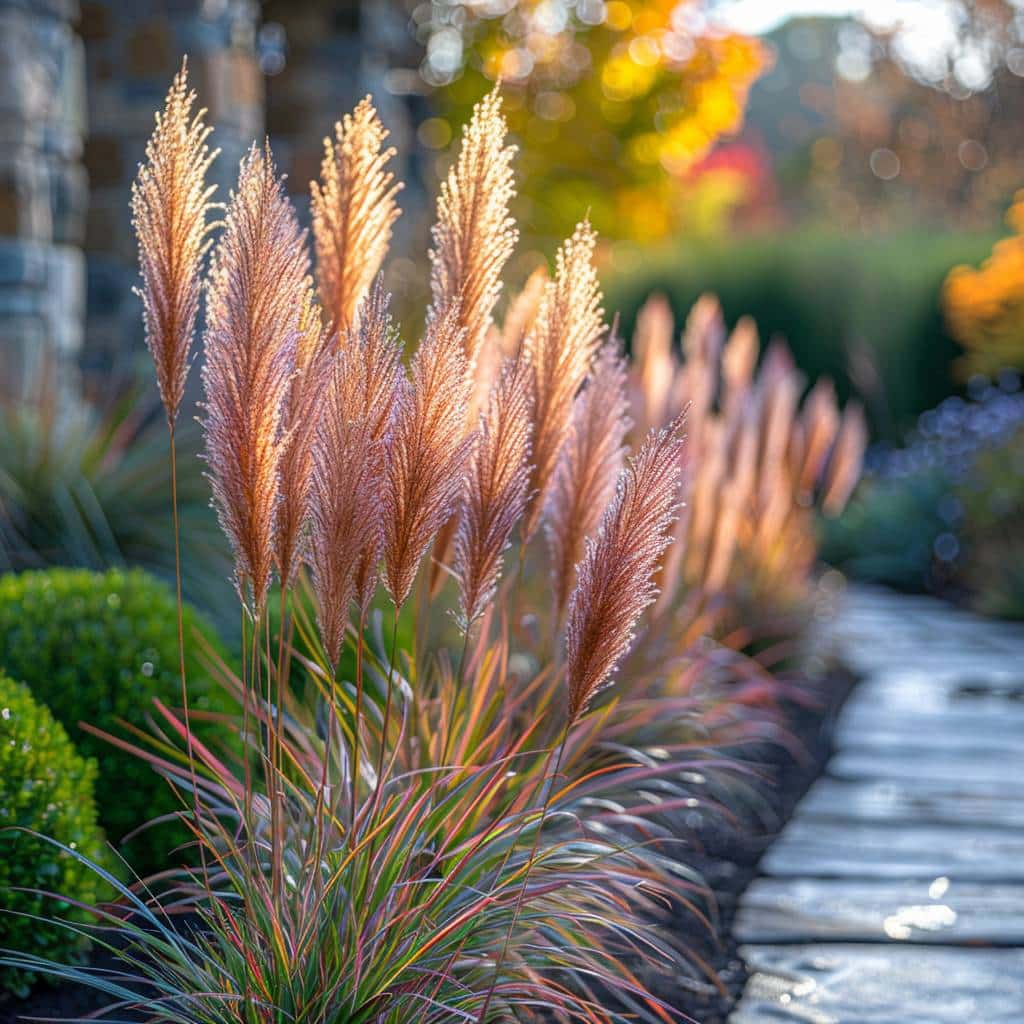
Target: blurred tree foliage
910 117
613 103
985 306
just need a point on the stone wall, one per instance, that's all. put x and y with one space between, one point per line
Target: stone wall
80 81
42 191
133 49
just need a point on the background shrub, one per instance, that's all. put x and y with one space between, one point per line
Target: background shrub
98 647
869 315
45 786
943 513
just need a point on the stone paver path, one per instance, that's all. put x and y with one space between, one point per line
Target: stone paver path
896 893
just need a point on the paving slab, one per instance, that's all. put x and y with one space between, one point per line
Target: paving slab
997 689
916 801
974 723
983 770
951 731
837 849
881 984
895 895
943 912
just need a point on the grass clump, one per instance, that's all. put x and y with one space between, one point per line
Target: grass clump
448 820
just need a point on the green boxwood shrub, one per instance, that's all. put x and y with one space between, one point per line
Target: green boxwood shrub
97 648
47 787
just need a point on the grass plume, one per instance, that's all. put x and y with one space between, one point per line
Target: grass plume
256 290
171 216
560 347
346 489
616 577
589 466
474 235
428 452
497 487
354 209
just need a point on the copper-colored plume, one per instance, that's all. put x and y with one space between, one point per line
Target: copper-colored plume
739 358
735 503
170 211
655 363
820 416
376 339
254 306
314 361
616 576
588 469
704 331
474 234
522 312
560 348
345 496
497 487
429 448
847 459
779 388
505 342
353 208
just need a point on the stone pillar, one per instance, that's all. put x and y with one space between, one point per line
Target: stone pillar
42 193
133 50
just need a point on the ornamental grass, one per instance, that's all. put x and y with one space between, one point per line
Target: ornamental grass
457 816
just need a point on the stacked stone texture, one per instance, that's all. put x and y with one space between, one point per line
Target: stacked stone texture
80 81
43 193
133 49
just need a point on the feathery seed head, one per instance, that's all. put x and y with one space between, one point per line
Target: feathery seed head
346 481
474 235
354 209
429 449
656 364
820 423
170 213
615 579
560 348
739 358
704 331
315 352
847 459
588 468
497 486
379 347
254 306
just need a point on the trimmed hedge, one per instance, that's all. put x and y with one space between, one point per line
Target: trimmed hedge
97 648
46 787
872 304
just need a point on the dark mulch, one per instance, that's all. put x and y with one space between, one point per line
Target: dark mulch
728 858
54 1002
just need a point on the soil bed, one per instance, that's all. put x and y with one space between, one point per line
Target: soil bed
729 857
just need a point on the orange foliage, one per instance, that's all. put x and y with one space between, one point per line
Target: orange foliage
985 306
611 115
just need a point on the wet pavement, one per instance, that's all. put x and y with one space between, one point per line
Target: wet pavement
895 895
